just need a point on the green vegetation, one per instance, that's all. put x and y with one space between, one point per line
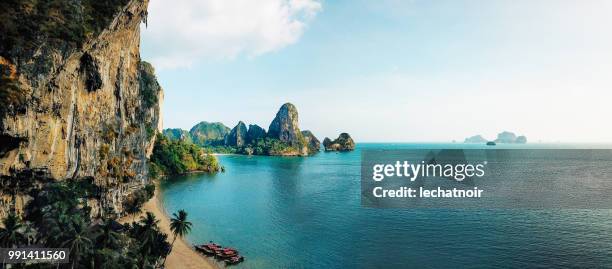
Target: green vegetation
220 149
134 202
178 157
150 131
26 23
11 96
176 134
149 87
269 146
14 231
58 216
209 133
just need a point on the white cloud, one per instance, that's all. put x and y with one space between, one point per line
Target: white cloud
182 32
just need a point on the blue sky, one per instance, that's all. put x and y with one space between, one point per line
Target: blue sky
388 70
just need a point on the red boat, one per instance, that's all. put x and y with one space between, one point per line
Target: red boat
234 260
226 253
209 249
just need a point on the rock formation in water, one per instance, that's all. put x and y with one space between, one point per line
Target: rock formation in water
314 146
283 138
510 138
254 133
77 101
327 142
476 139
209 133
237 136
505 137
344 142
285 126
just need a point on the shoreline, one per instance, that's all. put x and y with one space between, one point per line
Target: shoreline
182 256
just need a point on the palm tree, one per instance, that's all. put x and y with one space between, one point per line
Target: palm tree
149 235
179 225
132 207
108 237
30 232
149 221
12 234
78 242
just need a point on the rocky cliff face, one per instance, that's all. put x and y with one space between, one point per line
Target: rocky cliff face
285 127
82 107
237 137
314 145
344 142
255 132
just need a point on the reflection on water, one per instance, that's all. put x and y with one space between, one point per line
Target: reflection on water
306 213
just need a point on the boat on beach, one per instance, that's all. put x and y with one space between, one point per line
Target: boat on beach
234 260
226 253
229 255
209 249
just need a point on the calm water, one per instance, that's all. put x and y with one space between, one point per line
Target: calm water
306 213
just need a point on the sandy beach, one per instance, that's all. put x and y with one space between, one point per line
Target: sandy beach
183 256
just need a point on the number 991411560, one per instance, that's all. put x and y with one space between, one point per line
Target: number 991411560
34 255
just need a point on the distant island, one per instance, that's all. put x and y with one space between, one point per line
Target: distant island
344 142
477 139
283 138
504 137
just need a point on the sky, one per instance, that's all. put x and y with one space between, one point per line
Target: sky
388 70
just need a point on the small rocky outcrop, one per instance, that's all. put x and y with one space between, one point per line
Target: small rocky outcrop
254 133
313 144
327 142
476 139
344 142
237 136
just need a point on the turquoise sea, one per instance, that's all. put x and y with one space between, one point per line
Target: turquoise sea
287 212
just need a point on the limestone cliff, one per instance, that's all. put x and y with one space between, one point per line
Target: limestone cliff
314 145
285 127
344 142
82 104
254 133
237 136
